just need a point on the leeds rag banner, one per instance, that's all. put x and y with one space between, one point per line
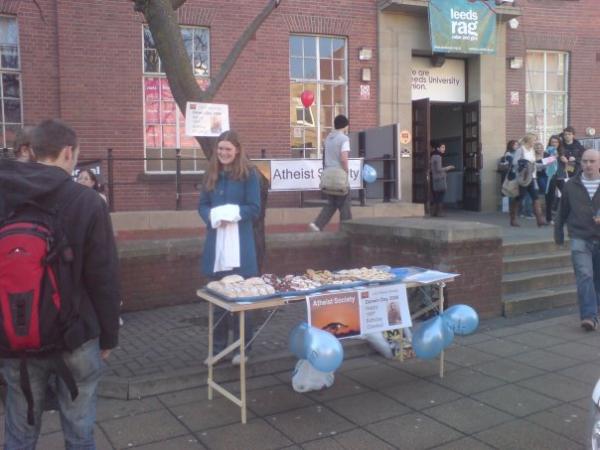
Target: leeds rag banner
461 26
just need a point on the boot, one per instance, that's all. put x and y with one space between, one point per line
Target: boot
514 210
537 210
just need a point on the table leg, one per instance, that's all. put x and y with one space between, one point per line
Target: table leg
210 349
243 364
441 288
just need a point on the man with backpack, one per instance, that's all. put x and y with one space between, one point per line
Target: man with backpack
59 290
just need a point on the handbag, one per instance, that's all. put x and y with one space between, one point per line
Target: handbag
334 181
510 186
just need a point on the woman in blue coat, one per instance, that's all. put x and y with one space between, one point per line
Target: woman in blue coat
230 179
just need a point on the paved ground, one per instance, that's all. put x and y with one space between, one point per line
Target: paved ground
521 383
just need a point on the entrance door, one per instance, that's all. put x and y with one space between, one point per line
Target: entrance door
472 157
420 172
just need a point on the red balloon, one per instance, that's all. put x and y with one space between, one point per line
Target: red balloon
307 98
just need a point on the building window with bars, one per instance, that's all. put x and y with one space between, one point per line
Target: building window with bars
164 124
317 64
547 92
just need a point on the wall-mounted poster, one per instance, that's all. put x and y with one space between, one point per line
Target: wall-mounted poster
462 26
206 119
438 84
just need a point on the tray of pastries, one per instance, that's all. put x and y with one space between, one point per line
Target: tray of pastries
333 280
292 284
369 275
237 289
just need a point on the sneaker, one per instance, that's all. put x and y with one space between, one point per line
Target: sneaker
121 322
589 324
313 227
237 359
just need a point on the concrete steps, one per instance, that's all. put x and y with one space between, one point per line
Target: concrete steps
538 275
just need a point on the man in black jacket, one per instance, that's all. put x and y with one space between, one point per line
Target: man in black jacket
580 210
87 227
572 150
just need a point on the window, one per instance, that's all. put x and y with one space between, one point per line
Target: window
10 88
317 64
547 92
164 124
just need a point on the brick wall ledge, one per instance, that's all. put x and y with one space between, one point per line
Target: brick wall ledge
449 231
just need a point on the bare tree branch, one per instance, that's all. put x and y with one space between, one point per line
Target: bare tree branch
177 4
239 46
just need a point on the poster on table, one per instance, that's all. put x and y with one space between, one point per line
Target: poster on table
362 311
462 26
206 119
305 174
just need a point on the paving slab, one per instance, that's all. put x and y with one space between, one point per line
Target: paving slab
464 444
189 442
516 400
507 370
276 399
545 360
468 416
467 356
567 420
413 431
257 434
557 386
342 387
522 435
501 347
309 423
420 394
205 414
467 381
143 429
367 408
535 339
588 373
380 377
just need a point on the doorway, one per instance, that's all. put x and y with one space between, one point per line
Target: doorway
457 126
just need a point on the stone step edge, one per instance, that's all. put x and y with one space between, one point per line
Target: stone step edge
535 257
532 274
519 304
507 246
539 293
195 377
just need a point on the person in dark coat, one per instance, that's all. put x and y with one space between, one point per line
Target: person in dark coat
438 178
230 179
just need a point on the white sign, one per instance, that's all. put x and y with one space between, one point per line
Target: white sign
439 84
305 174
206 119
384 308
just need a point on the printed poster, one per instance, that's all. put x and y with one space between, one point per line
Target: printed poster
206 119
363 311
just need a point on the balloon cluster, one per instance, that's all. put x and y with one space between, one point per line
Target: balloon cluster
320 348
436 334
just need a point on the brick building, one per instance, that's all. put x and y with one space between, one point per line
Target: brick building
93 64
559 46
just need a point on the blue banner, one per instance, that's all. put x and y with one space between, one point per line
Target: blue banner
462 26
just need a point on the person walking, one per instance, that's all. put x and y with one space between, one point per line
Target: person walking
580 210
572 151
525 161
337 150
89 335
438 178
556 180
233 183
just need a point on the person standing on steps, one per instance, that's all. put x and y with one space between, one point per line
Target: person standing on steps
337 150
579 209
438 178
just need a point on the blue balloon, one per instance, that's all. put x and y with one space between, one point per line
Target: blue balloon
324 351
369 174
428 340
297 335
447 332
462 319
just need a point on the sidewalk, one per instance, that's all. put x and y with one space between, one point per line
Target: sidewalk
521 383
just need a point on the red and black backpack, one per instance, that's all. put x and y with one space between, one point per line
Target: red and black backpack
38 311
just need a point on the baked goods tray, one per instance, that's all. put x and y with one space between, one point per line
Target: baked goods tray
339 287
255 298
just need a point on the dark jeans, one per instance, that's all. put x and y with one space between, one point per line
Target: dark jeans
226 323
586 263
77 417
334 202
551 196
531 189
437 196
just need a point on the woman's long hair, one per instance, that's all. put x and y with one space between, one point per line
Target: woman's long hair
240 168
559 149
510 145
528 140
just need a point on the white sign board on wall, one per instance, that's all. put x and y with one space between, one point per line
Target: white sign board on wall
305 174
438 84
